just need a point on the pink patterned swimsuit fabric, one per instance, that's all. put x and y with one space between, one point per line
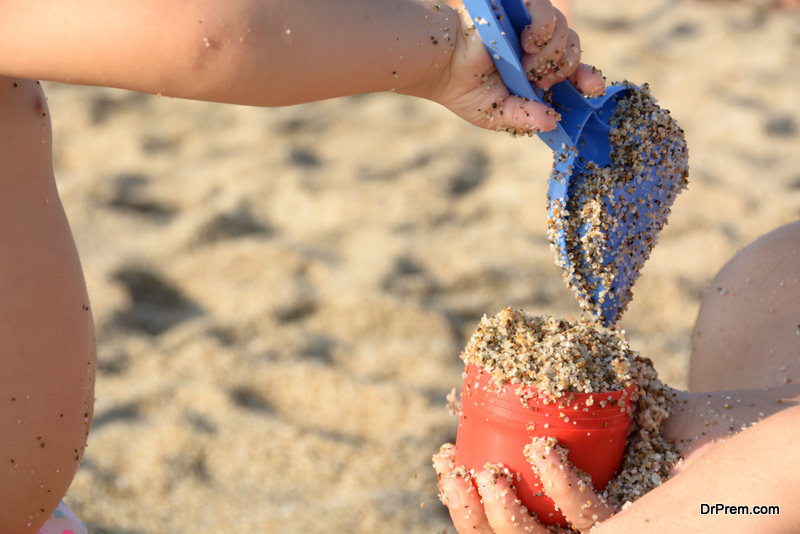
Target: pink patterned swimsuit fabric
63 521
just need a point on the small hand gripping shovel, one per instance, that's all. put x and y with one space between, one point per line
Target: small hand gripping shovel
620 161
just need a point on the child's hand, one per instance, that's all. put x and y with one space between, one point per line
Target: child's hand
469 85
699 423
494 508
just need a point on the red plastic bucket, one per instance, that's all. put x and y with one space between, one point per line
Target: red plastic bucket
495 425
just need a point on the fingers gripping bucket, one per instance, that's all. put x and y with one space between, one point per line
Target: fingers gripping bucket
495 425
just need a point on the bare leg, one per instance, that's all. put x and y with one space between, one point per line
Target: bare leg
747 334
47 348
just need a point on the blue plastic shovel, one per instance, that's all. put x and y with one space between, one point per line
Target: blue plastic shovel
635 209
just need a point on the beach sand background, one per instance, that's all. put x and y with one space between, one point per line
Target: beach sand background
281 295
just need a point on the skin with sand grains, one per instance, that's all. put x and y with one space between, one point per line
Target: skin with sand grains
48 387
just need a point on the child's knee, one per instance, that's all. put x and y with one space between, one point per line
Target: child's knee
747 333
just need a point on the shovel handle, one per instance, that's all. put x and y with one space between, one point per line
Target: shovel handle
499 24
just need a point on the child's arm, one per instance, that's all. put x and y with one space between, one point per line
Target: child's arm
759 467
254 52
271 52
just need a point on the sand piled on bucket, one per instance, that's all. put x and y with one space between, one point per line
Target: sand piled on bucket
562 355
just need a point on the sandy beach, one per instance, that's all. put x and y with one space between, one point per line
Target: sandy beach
281 295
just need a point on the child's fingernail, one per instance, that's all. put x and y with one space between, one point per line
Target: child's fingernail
452 497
